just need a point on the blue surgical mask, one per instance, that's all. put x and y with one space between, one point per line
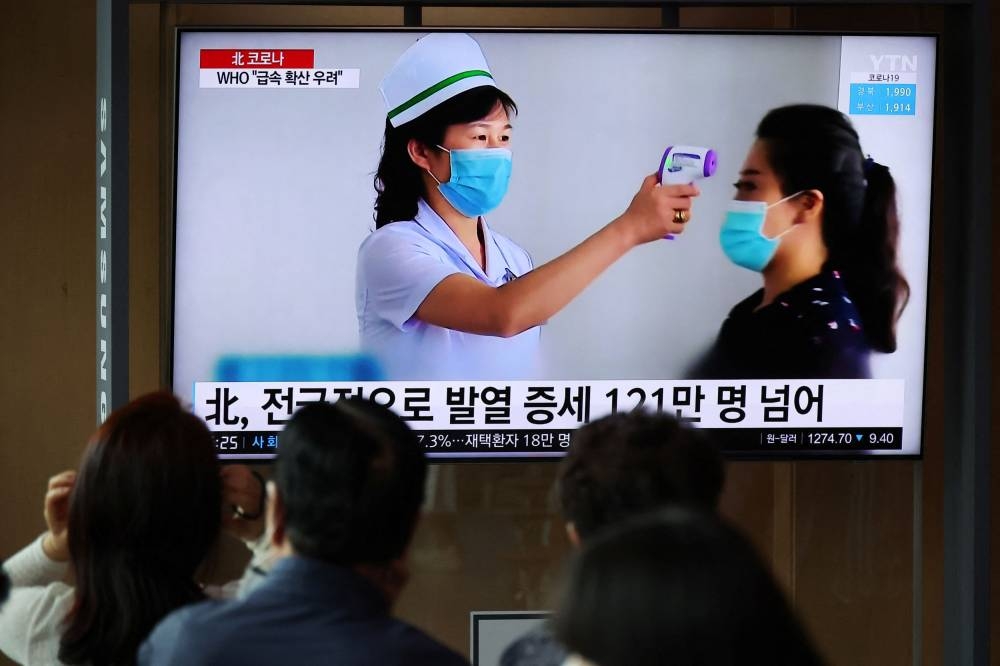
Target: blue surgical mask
742 236
479 179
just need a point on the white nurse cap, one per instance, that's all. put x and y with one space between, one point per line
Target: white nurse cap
435 69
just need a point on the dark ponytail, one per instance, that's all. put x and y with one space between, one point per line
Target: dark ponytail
816 147
398 181
874 280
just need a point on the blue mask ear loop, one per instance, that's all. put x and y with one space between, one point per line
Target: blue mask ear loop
770 206
431 172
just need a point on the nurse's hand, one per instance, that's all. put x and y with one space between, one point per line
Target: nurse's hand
651 215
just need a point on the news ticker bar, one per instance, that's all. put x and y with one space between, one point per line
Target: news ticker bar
554 406
555 443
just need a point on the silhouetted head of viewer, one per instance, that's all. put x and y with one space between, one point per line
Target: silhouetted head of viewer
143 514
347 490
628 464
677 587
617 468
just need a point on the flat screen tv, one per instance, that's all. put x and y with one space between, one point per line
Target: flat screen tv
279 136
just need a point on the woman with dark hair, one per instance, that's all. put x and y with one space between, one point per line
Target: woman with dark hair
677 587
129 528
439 293
818 220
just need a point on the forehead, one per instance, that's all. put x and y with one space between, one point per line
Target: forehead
496 117
756 159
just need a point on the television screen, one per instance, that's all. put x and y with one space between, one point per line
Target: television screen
775 325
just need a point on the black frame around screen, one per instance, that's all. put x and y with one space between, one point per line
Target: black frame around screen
733 455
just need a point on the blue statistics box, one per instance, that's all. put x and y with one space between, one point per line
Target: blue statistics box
883 99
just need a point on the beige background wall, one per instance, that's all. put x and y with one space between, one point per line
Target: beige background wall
840 535
47 276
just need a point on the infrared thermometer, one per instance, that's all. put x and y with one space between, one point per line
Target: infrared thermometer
685 164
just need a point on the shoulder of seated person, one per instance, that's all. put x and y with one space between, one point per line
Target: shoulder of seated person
192 622
195 613
420 646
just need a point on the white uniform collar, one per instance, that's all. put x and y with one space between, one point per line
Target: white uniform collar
442 234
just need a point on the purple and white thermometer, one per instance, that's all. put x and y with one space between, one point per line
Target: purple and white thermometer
685 164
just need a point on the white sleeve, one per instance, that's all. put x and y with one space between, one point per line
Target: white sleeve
31 619
398 270
31 566
31 623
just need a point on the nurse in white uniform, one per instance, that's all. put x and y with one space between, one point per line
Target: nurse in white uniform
439 293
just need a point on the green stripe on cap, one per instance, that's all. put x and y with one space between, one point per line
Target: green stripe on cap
419 97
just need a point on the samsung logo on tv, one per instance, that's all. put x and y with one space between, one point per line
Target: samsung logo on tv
102 287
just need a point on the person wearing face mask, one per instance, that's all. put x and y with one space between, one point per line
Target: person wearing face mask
818 220
439 293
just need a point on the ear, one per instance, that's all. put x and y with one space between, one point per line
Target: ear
399 572
275 515
572 535
419 153
812 204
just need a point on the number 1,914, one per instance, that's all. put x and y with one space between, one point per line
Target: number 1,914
898 107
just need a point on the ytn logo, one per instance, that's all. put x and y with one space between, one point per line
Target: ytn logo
895 63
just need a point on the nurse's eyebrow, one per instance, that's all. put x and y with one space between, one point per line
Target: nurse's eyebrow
487 124
750 172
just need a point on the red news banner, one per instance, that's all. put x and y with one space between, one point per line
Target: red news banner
271 69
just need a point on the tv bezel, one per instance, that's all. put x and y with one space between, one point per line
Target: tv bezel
933 256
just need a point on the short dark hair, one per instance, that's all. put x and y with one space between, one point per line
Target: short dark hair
143 514
678 587
351 476
630 463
